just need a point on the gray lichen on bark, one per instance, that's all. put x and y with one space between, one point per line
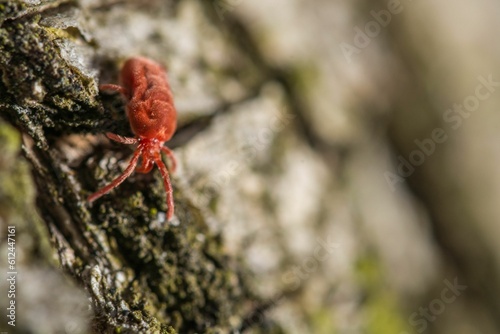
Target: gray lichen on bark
143 274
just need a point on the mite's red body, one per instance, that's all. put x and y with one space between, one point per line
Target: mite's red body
153 119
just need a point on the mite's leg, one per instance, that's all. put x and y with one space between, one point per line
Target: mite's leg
171 155
116 182
168 187
114 88
145 166
121 139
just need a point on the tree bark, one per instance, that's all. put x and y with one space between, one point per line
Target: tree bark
142 273
293 211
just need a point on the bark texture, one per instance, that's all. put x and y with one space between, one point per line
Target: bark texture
142 273
301 205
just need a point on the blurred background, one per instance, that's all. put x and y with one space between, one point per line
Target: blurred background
351 164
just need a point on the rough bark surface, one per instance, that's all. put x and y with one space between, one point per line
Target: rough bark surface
142 274
293 211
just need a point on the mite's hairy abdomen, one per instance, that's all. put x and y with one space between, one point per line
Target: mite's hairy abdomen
150 109
152 118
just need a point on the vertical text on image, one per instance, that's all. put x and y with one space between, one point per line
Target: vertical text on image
11 275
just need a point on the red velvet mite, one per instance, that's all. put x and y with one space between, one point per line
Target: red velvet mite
153 119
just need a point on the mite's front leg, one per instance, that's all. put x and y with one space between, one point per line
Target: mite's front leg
121 139
168 187
171 155
114 88
116 182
